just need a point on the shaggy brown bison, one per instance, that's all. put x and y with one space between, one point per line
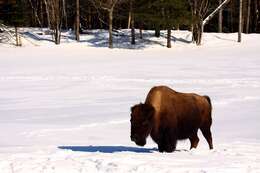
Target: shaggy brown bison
168 116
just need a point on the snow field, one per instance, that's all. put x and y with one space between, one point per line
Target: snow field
66 108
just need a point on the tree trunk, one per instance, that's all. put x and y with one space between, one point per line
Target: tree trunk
192 25
17 37
110 39
64 13
248 16
197 31
89 21
133 35
178 27
132 31
157 31
199 10
141 31
41 14
192 31
232 16
130 14
258 17
200 31
255 15
57 34
240 20
220 18
77 21
129 20
47 13
169 45
131 23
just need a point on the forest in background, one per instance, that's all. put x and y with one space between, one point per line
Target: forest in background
80 15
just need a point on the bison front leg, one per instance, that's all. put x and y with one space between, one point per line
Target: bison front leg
167 140
161 147
167 146
160 142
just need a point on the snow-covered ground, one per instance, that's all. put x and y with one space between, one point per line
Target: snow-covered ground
65 108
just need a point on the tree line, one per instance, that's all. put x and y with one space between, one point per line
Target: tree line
154 15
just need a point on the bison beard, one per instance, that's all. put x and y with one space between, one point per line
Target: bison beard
168 116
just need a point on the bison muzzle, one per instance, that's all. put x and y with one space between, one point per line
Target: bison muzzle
168 116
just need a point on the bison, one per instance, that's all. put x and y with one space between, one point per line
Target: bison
168 116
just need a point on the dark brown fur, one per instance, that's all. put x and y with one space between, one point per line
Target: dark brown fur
168 116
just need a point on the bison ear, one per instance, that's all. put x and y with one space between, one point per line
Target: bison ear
149 111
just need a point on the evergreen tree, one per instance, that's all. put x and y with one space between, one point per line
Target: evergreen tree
163 14
14 13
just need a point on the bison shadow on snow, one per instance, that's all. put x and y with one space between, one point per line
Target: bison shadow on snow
108 149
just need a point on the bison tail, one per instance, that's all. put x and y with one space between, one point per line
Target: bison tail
210 109
209 101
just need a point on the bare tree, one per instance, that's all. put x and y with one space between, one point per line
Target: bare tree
199 9
169 45
109 6
17 37
56 13
240 20
130 14
131 22
47 13
77 21
256 12
141 31
35 11
248 15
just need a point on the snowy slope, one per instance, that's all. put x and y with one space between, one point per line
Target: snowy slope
66 108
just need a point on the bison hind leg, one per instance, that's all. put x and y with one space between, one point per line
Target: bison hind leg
208 136
194 140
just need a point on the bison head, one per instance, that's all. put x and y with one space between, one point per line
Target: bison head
141 122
